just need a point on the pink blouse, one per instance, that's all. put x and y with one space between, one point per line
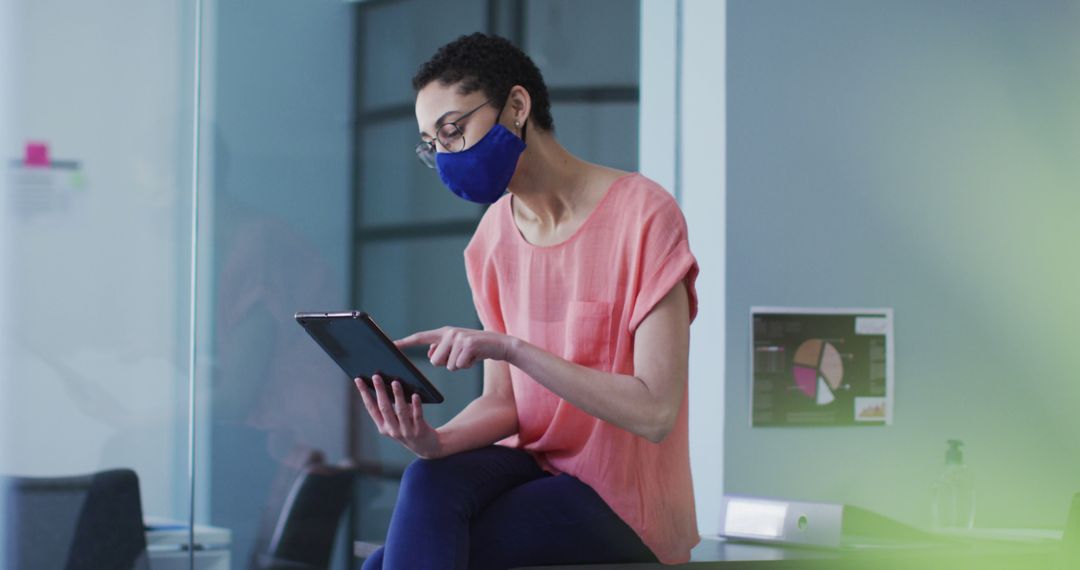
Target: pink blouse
582 300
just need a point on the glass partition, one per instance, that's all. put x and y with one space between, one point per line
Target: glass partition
275 239
96 141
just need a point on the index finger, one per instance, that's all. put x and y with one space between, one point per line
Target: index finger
422 337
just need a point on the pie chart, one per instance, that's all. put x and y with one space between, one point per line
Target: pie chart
818 370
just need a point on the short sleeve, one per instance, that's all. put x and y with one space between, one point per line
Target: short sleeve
484 287
664 260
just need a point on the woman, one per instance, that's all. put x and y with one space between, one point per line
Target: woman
583 279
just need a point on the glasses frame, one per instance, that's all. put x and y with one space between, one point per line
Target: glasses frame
425 150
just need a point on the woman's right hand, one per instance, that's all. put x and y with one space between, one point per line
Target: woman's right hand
400 419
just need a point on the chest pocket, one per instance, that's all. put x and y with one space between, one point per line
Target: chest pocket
588 334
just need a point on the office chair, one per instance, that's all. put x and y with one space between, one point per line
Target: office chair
302 534
89 522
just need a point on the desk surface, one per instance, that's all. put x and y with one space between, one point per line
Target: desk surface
162 533
167 545
715 552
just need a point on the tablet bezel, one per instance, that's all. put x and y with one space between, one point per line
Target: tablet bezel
419 384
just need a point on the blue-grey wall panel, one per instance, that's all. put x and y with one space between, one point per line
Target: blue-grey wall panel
921 155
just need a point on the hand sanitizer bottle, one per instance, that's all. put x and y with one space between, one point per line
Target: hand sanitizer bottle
954 492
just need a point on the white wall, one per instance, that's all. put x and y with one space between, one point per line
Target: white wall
683 122
658 92
703 193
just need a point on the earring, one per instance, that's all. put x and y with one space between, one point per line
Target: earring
517 124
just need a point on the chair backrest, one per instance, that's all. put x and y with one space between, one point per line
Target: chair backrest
82 522
280 488
309 518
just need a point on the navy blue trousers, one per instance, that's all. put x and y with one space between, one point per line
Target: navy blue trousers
494 508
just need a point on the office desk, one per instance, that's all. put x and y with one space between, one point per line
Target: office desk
167 546
716 552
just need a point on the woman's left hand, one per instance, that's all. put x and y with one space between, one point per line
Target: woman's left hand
457 348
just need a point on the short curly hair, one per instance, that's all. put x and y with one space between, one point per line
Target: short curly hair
491 64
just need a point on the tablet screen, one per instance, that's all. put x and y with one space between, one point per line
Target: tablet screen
362 350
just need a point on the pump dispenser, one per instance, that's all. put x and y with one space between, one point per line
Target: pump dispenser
954 491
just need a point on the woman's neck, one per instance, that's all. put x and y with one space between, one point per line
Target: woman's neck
549 184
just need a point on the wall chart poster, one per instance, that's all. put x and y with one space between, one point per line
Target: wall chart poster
821 367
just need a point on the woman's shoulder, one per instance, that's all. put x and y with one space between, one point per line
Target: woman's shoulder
643 198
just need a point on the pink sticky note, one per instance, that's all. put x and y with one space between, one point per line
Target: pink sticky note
37 154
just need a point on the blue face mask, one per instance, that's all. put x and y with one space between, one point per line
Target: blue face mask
482 172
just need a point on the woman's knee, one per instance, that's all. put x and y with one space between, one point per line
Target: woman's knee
374 562
427 472
457 476
428 476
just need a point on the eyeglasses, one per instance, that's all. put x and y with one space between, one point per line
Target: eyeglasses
449 135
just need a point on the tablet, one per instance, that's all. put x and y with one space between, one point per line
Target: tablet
362 350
